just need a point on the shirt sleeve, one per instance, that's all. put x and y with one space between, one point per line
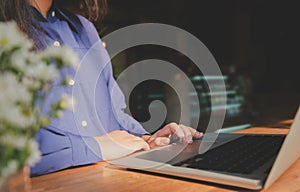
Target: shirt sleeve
126 122
62 150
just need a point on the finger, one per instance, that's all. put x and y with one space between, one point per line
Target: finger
188 135
166 131
198 134
177 130
195 133
159 141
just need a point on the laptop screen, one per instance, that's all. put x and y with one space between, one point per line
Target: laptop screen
239 111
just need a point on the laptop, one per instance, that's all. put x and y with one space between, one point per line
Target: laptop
252 161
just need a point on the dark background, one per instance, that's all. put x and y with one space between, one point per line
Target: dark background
255 39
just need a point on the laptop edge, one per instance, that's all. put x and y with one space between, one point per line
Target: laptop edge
284 159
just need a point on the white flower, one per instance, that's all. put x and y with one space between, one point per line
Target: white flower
66 102
24 74
19 142
11 36
31 83
10 168
35 153
19 59
41 71
65 53
17 118
14 92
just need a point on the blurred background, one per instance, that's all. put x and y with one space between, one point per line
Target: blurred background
255 43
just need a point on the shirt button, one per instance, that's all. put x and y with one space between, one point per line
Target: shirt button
53 14
83 123
71 82
104 44
56 43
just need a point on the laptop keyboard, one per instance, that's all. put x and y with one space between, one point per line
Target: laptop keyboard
243 155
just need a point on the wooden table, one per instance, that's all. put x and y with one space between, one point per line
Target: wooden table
104 177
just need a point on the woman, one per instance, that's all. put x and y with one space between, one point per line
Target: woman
63 143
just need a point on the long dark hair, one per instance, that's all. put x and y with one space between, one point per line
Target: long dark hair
21 12
92 9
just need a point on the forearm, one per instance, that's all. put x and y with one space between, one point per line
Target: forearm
118 143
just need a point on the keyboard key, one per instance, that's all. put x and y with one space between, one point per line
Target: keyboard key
243 155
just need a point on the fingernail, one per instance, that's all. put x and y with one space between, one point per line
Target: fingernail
166 142
180 135
198 134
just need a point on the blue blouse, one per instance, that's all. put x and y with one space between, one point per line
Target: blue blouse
67 142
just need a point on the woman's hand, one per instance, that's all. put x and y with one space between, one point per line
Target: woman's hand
162 137
117 144
120 143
